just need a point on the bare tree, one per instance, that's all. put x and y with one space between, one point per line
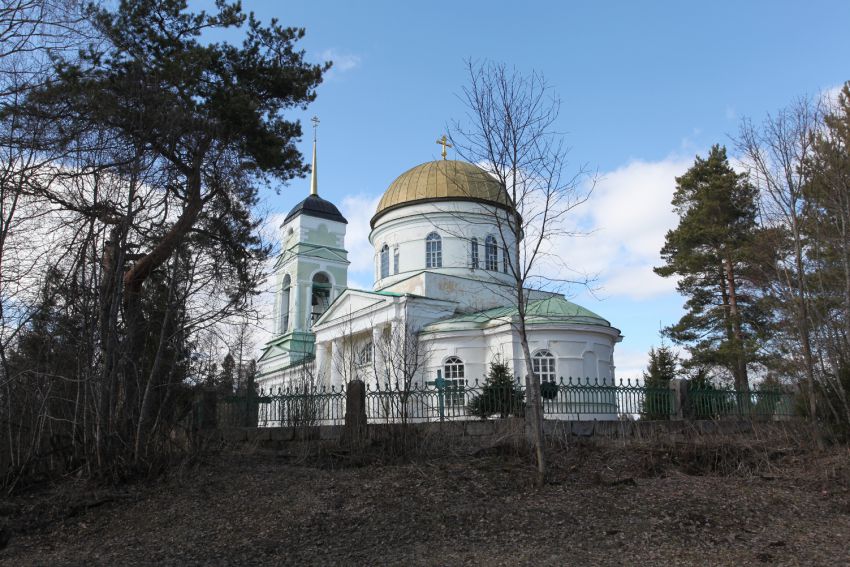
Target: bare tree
399 360
348 359
510 131
775 154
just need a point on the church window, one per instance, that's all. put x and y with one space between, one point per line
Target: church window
433 251
543 365
385 261
505 260
491 254
321 296
284 304
473 253
365 356
395 260
454 396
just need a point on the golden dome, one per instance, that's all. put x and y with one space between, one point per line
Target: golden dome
442 180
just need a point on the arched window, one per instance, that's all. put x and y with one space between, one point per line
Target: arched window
385 261
321 296
284 304
433 251
543 364
491 253
395 260
473 253
453 367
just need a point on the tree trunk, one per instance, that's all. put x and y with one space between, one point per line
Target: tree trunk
534 403
742 383
156 368
803 315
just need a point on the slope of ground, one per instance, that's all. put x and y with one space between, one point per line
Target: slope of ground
604 506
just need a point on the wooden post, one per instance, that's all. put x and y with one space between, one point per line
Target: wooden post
355 412
679 393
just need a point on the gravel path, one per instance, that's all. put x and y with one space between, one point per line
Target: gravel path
262 509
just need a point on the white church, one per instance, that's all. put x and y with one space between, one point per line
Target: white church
442 302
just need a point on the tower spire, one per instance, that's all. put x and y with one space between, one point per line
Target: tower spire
314 180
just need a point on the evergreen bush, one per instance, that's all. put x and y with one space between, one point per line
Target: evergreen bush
499 395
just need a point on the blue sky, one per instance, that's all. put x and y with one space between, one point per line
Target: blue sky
645 86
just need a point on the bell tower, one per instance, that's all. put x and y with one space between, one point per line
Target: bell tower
309 274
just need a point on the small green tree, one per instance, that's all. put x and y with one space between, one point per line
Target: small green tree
500 394
226 379
705 401
662 367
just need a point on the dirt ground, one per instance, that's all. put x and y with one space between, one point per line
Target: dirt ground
603 505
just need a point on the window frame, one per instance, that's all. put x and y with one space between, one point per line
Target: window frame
491 254
364 356
433 250
454 374
384 261
549 374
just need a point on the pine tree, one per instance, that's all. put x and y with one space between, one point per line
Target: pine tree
662 367
227 377
157 109
500 394
710 251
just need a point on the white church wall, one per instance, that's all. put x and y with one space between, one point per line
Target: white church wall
456 222
471 295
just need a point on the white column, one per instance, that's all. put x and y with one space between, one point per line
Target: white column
322 358
336 359
379 351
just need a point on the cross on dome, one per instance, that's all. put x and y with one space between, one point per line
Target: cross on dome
444 142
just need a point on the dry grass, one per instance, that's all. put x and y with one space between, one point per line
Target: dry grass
760 499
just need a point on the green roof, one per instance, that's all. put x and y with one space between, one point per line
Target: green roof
555 309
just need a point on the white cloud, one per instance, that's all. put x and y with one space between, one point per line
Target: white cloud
629 363
358 210
628 215
830 95
342 62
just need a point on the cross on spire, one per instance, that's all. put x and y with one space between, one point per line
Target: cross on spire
444 142
315 121
314 176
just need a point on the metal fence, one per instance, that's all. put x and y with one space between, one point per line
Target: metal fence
716 403
455 400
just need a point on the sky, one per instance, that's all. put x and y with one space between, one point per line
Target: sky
645 87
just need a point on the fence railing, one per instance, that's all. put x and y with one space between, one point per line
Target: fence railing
455 400
714 403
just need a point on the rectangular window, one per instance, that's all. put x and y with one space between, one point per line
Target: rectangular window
385 262
491 255
454 392
433 254
473 251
